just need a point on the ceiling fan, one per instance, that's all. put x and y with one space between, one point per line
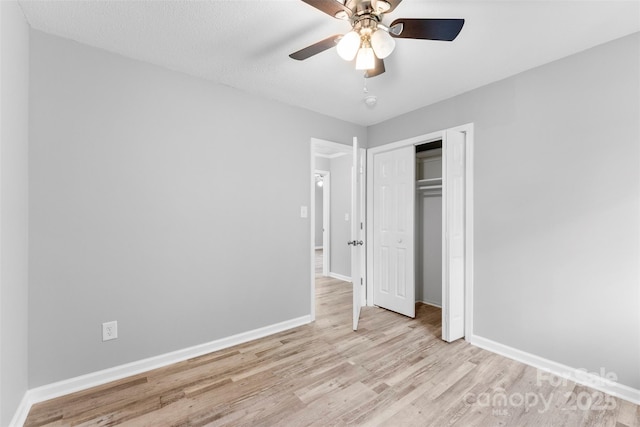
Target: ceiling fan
370 41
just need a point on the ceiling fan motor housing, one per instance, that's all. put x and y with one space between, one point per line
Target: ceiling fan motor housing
372 37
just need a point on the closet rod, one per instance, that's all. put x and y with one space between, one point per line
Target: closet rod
430 187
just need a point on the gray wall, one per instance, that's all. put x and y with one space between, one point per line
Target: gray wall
556 206
322 163
144 209
429 249
340 262
14 114
429 229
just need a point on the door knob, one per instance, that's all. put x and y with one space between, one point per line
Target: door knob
355 242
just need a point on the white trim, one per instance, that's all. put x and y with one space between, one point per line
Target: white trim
83 382
312 229
579 376
467 129
369 228
22 411
469 256
340 277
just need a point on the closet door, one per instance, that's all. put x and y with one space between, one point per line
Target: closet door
393 230
453 236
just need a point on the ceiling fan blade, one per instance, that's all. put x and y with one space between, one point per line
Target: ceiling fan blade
331 7
426 29
392 5
377 70
316 48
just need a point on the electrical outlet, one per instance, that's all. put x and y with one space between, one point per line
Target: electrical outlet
109 330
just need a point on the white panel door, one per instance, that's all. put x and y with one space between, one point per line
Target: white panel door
453 236
356 242
393 230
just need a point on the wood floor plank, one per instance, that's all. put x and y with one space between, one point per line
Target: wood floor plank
628 414
394 371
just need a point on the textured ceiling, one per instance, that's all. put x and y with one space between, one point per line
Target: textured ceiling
245 44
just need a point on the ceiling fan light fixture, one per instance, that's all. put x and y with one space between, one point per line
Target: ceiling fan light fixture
382 43
348 46
365 59
341 14
382 6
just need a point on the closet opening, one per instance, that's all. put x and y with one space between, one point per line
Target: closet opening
428 224
420 239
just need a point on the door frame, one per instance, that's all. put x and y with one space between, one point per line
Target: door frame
314 144
467 129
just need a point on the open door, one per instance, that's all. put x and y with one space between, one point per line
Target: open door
453 240
393 230
356 242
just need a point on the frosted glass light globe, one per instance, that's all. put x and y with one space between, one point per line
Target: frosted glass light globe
365 60
382 43
348 46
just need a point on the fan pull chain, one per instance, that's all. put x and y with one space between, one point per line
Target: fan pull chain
369 100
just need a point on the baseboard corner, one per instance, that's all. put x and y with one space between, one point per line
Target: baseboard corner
22 411
432 304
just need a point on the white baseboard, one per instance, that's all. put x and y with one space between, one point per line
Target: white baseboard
339 276
433 304
579 376
83 382
20 416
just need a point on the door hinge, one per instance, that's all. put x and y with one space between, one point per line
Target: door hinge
361 226
361 281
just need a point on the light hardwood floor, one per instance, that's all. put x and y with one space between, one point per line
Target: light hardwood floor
394 371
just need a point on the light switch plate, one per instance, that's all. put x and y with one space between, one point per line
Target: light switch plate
303 212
